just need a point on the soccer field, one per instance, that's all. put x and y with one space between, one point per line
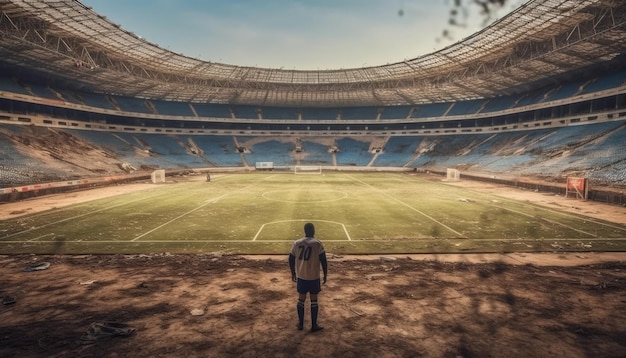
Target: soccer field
262 213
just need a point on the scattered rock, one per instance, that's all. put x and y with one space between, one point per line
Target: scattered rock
7 300
37 267
197 312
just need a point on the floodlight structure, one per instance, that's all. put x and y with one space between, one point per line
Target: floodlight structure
69 43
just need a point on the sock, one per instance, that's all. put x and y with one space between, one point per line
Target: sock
300 313
314 310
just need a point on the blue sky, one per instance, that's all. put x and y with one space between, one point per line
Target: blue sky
300 34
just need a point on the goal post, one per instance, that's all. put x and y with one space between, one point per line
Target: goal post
578 186
158 176
453 174
307 169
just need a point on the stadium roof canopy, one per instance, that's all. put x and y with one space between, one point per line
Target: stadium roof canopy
63 40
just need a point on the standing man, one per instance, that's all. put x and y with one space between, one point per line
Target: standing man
306 256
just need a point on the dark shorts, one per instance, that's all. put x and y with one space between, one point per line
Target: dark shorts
309 286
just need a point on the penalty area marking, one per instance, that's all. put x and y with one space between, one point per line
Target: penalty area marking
408 206
303 220
210 201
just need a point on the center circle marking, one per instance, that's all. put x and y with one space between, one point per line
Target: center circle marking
304 196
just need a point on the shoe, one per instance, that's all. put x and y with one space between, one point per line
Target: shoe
316 328
300 327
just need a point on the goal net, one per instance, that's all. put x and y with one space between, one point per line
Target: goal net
453 174
578 186
158 176
308 169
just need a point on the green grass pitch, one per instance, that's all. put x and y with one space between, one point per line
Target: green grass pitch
262 213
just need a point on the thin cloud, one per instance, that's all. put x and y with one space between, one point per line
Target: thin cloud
323 34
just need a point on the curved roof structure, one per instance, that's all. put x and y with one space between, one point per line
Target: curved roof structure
65 40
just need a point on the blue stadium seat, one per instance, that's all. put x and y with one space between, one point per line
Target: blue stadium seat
271 151
95 100
606 81
398 151
172 108
315 153
279 113
465 107
245 112
17 168
127 104
10 85
219 150
430 110
533 97
499 104
396 112
352 113
212 110
566 90
43 91
353 152
69 96
320 113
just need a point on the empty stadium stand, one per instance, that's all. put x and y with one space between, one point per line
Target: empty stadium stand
396 112
212 110
315 153
9 84
398 151
353 152
351 113
430 110
136 105
271 150
279 113
171 108
517 109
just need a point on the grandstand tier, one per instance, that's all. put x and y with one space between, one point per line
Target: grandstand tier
490 103
543 39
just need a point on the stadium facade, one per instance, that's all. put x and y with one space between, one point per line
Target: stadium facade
539 93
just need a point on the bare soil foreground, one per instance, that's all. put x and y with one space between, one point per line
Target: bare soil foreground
217 305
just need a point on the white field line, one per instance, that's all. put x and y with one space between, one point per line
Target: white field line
536 206
82 215
586 219
39 237
408 206
180 216
125 242
210 201
544 219
302 220
73 217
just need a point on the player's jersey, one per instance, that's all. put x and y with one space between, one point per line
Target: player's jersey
307 252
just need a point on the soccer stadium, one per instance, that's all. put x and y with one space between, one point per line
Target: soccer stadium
148 194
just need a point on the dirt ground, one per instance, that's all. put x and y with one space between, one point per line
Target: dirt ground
221 305
214 305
